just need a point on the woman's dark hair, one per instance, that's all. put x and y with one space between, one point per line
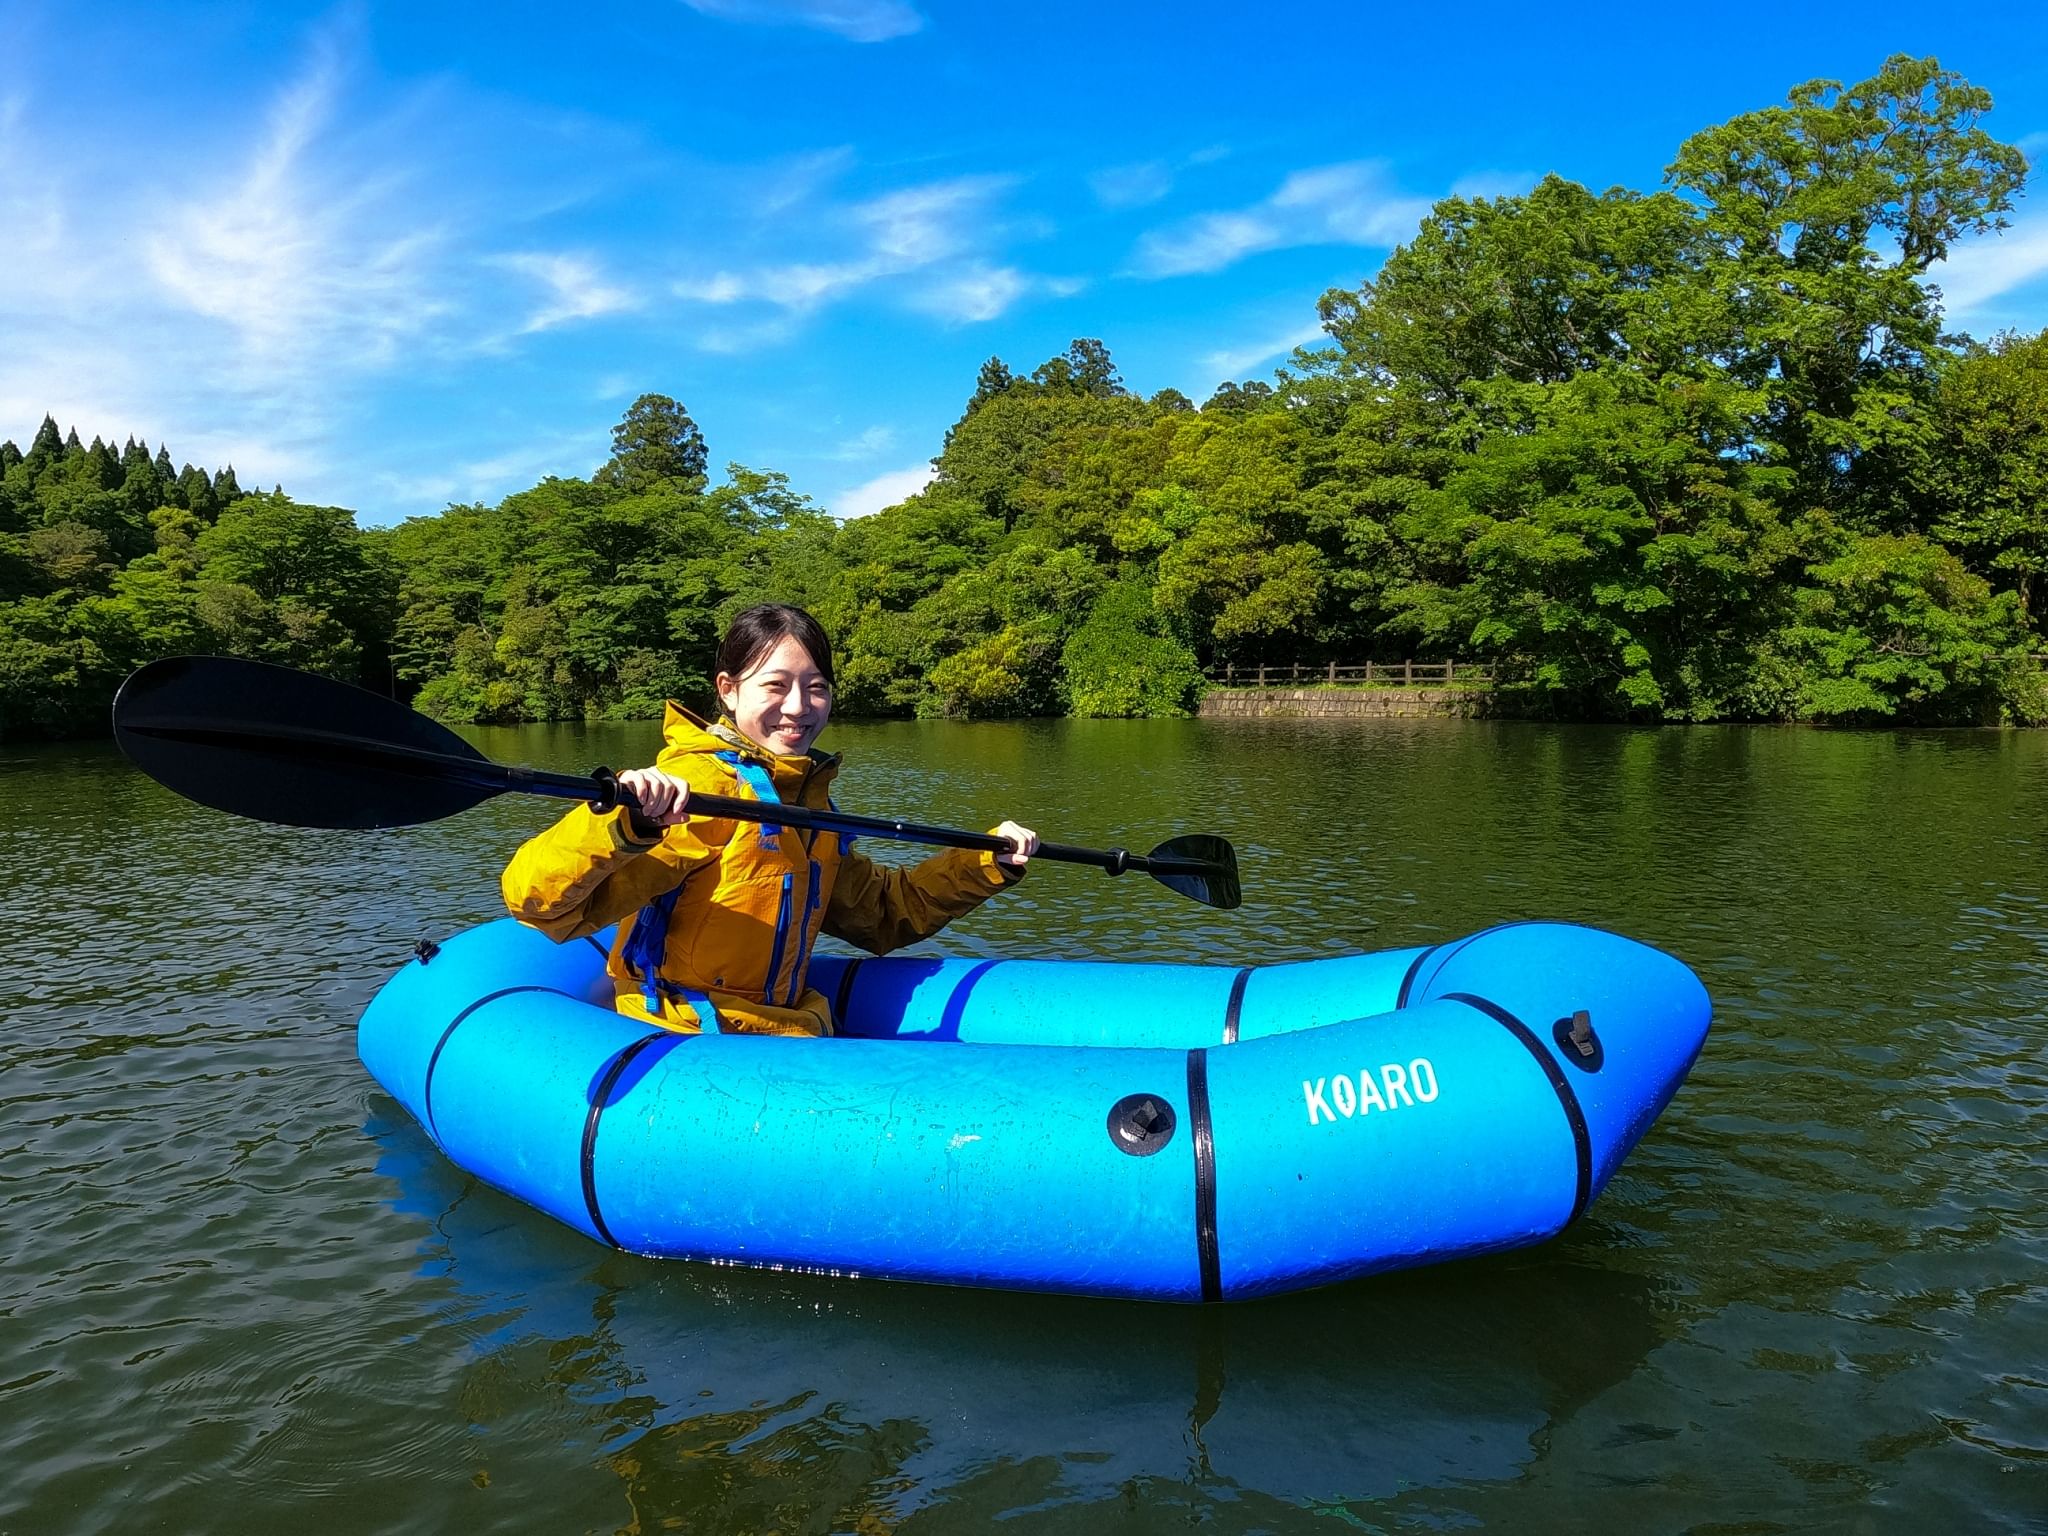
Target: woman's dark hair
758 630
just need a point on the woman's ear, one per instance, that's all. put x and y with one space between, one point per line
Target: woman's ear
727 688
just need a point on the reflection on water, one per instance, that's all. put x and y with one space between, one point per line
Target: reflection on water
687 1374
237 1285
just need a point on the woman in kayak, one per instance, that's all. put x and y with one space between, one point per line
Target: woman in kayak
716 917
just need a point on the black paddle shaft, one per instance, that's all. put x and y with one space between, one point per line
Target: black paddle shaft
1115 860
289 747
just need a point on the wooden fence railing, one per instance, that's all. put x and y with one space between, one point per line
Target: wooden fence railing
1377 674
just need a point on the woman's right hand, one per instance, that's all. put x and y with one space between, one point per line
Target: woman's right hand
659 798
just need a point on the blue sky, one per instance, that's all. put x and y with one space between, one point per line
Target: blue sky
394 256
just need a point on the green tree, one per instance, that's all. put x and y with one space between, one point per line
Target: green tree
656 444
1834 328
1893 627
1983 473
1118 665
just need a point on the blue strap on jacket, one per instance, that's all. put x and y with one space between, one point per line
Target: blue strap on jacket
649 938
760 786
642 954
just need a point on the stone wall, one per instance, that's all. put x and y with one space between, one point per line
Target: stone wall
1339 703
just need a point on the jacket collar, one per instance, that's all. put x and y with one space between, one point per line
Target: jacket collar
685 730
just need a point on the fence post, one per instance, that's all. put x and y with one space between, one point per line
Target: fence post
1408 672
1333 674
1368 671
1262 674
1229 672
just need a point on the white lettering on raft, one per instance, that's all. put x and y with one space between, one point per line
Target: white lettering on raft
1347 1096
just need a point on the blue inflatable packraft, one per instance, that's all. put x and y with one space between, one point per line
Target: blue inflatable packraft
1179 1132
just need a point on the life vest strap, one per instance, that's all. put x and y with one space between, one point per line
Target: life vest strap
760 785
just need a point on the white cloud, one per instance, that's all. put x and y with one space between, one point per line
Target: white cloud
1147 181
256 285
926 243
974 292
875 440
575 289
486 479
882 491
1131 186
1986 270
1231 362
719 288
245 287
1349 204
295 261
860 21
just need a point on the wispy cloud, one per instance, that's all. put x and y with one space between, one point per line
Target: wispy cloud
492 476
1131 186
575 288
1355 203
883 491
1977 275
974 292
293 261
1230 362
938 234
250 303
875 440
860 21
231 304
1142 182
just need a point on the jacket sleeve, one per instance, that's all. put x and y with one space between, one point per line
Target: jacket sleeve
588 871
880 907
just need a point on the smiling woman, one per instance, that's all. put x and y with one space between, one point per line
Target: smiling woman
723 914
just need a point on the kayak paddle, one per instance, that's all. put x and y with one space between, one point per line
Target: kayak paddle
279 745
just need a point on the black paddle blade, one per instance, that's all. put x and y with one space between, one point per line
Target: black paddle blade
1211 873
293 748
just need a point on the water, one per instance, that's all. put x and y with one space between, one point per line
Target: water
238 1287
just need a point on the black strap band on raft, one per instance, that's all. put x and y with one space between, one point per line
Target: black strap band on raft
1235 1006
1582 1139
1203 1138
844 995
598 1102
433 1061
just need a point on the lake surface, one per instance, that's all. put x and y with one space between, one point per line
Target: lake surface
239 1288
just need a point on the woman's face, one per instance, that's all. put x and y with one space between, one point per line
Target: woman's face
781 702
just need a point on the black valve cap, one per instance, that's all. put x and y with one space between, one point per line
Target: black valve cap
1141 1123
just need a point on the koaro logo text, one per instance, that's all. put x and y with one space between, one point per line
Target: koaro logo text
1346 1096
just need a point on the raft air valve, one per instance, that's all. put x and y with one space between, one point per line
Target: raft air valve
1140 1124
1575 1037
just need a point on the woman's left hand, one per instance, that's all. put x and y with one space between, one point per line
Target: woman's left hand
1024 843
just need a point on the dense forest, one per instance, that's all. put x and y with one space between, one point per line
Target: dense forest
1702 453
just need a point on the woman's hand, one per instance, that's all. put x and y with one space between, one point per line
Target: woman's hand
1024 841
658 799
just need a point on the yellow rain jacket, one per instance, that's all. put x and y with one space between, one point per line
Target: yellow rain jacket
744 902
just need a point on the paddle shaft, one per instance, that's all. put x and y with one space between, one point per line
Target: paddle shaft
605 792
